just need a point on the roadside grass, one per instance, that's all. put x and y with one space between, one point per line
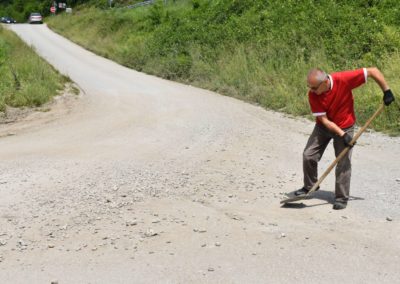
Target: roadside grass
258 51
26 79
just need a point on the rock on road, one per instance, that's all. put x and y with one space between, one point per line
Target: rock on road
150 181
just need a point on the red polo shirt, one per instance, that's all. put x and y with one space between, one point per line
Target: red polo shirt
338 103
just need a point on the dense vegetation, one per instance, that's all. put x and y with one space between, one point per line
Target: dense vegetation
20 9
26 79
256 50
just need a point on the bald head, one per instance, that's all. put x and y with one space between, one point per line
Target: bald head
317 81
316 75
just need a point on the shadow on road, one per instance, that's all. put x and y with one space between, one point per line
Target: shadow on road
323 195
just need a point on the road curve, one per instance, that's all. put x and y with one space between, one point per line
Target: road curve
148 180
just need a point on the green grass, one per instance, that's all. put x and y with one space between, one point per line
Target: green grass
26 79
259 51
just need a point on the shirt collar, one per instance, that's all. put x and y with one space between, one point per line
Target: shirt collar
331 82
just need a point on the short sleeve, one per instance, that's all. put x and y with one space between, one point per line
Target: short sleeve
317 108
354 78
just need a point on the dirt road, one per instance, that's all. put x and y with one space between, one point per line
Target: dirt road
144 180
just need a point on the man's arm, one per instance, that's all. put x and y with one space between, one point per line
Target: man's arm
378 77
330 125
375 74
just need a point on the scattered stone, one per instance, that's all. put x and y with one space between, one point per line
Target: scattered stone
389 219
203 245
50 245
217 244
210 269
150 233
54 282
283 235
131 223
3 242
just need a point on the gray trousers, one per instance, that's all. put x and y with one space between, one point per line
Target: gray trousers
313 152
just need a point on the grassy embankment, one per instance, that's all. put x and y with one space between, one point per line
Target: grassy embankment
26 79
255 50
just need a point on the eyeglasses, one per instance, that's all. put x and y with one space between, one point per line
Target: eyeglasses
315 88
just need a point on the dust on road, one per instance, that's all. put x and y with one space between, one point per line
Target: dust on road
146 180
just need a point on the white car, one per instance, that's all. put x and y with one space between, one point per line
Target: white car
35 18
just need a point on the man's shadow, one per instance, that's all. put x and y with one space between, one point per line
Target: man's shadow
327 197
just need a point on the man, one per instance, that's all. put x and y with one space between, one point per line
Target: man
331 102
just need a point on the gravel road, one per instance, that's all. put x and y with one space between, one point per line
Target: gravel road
144 180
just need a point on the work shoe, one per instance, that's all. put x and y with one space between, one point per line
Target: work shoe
339 205
303 191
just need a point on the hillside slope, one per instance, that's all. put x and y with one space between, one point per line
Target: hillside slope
255 50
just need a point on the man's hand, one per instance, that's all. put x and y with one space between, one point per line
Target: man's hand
388 97
347 139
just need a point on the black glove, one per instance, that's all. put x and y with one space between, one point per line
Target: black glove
347 139
388 97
